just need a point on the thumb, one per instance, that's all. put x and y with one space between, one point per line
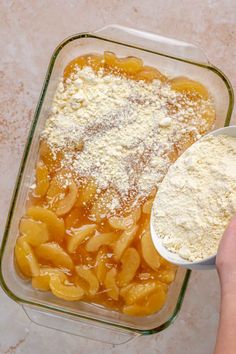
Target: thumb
227 248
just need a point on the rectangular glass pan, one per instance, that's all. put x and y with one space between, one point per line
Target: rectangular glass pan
171 57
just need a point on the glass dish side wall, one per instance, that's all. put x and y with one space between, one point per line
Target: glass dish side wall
21 290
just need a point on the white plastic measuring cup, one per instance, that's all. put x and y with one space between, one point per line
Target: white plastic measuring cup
208 263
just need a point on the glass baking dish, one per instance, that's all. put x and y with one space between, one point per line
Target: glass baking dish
171 57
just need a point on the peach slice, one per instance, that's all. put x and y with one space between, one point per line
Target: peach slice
36 232
25 258
55 225
124 223
41 282
124 241
138 291
100 265
187 86
95 61
135 310
71 67
55 255
65 291
110 58
86 193
129 66
98 240
153 304
166 276
149 74
89 277
125 289
72 220
130 264
66 204
110 284
56 188
149 253
79 235
147 206
52 161
156 301
42 180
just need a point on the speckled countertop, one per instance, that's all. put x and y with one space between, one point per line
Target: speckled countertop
29 31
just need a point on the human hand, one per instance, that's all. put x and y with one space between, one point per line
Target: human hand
226 267
226 259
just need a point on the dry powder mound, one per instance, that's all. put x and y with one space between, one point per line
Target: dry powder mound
126 128
197 198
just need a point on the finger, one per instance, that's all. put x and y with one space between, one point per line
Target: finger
230 232
227 246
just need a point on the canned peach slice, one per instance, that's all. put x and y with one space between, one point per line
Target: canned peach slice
110 58
166 276
79 235
25 258
156 301
138 291
100 265
98 240
124 290
134 310
56 190
185 85
153 192
149 253
89 277
54 254
129 65
147 206
148 74
110 284
130 263
95 61
124 223
42 180
36 232
73 219
153 304
65 290
52 161
86 192
71 67
66 204
124 241
55 225
41 282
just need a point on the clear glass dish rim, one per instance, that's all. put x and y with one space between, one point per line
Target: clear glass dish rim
25 156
